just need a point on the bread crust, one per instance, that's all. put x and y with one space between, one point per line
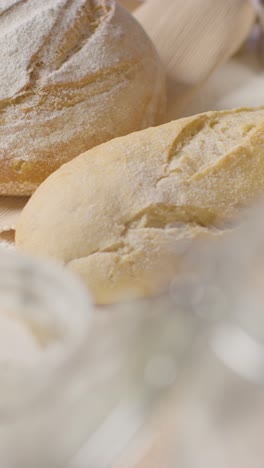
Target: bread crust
72 75
122 214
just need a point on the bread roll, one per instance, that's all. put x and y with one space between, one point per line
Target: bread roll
73 74
120 215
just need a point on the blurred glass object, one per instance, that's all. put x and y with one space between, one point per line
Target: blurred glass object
44 320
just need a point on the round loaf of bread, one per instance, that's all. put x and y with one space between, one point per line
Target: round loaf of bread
73 74
120 214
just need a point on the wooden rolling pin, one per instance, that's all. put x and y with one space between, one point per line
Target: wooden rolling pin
193 38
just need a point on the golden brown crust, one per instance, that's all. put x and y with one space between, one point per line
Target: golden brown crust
122 214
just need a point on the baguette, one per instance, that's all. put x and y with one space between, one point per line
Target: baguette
121 214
